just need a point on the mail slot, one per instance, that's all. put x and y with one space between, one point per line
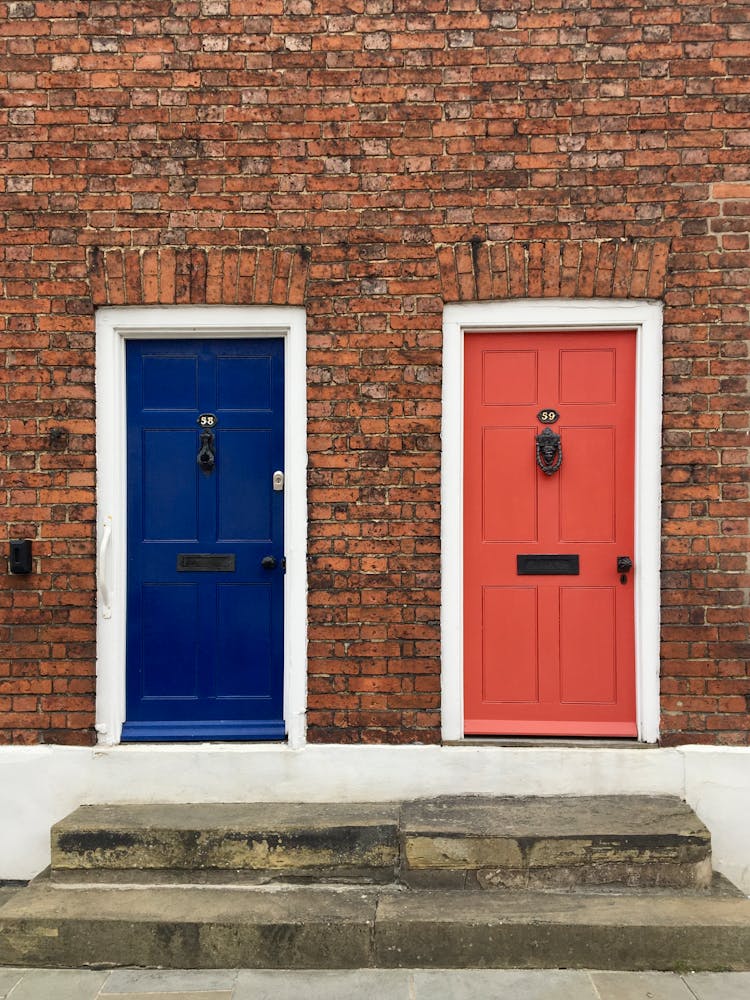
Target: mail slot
205 562
547 565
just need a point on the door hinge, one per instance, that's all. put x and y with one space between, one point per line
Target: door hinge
283 564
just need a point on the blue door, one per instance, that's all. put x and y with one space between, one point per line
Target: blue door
205 540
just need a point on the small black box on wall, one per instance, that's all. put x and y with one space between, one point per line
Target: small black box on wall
20 556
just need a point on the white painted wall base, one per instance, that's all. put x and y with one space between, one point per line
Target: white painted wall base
40 785
717 786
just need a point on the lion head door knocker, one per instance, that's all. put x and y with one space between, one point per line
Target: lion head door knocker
548 451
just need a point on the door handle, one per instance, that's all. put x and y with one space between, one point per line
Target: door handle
269 562
103 573
624 566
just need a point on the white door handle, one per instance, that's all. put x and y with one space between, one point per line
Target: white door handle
103 586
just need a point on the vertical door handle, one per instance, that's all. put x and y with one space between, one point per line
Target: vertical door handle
102 575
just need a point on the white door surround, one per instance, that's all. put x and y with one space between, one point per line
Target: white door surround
114 326
558 315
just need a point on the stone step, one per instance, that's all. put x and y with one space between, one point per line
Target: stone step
267 840
555 842
450 842
339 927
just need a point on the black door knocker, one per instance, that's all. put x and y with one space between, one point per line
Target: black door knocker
548 451
207 453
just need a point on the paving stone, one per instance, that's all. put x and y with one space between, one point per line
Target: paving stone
171 995
59 984
168 980
364 984
510 984
719 985
8 979
640 986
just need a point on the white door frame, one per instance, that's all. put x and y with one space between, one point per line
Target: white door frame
556 315
114 326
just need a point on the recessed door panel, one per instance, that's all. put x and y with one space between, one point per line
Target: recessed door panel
517 646
509 511
243 653
548 509
169 656
205 540
169 382
588 495
509 376
245 454
587 376
245 380
170 508
588 654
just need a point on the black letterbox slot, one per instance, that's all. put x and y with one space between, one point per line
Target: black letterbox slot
547 565
205 562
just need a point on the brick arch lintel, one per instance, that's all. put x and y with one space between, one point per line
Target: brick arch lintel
621 268
198 276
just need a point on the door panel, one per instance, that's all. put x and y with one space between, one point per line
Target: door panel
246 455
243 653
520 647
587 636
508 513
169 502
547 653
168 671
587 376
587 492
509 377
204 637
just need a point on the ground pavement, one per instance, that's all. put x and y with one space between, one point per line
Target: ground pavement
369 984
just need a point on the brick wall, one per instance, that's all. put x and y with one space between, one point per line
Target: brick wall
374 159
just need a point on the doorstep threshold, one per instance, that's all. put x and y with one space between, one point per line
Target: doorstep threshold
551 742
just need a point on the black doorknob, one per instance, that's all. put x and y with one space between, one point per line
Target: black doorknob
268 562
624 564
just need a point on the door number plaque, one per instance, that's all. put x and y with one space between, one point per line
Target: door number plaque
548 416
207 420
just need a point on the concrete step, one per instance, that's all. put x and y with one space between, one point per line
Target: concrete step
339 927
453 842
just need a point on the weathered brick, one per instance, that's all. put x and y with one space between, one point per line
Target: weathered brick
373 162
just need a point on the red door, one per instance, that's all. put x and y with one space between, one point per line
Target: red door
548 618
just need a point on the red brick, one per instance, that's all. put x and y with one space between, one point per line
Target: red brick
449 160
